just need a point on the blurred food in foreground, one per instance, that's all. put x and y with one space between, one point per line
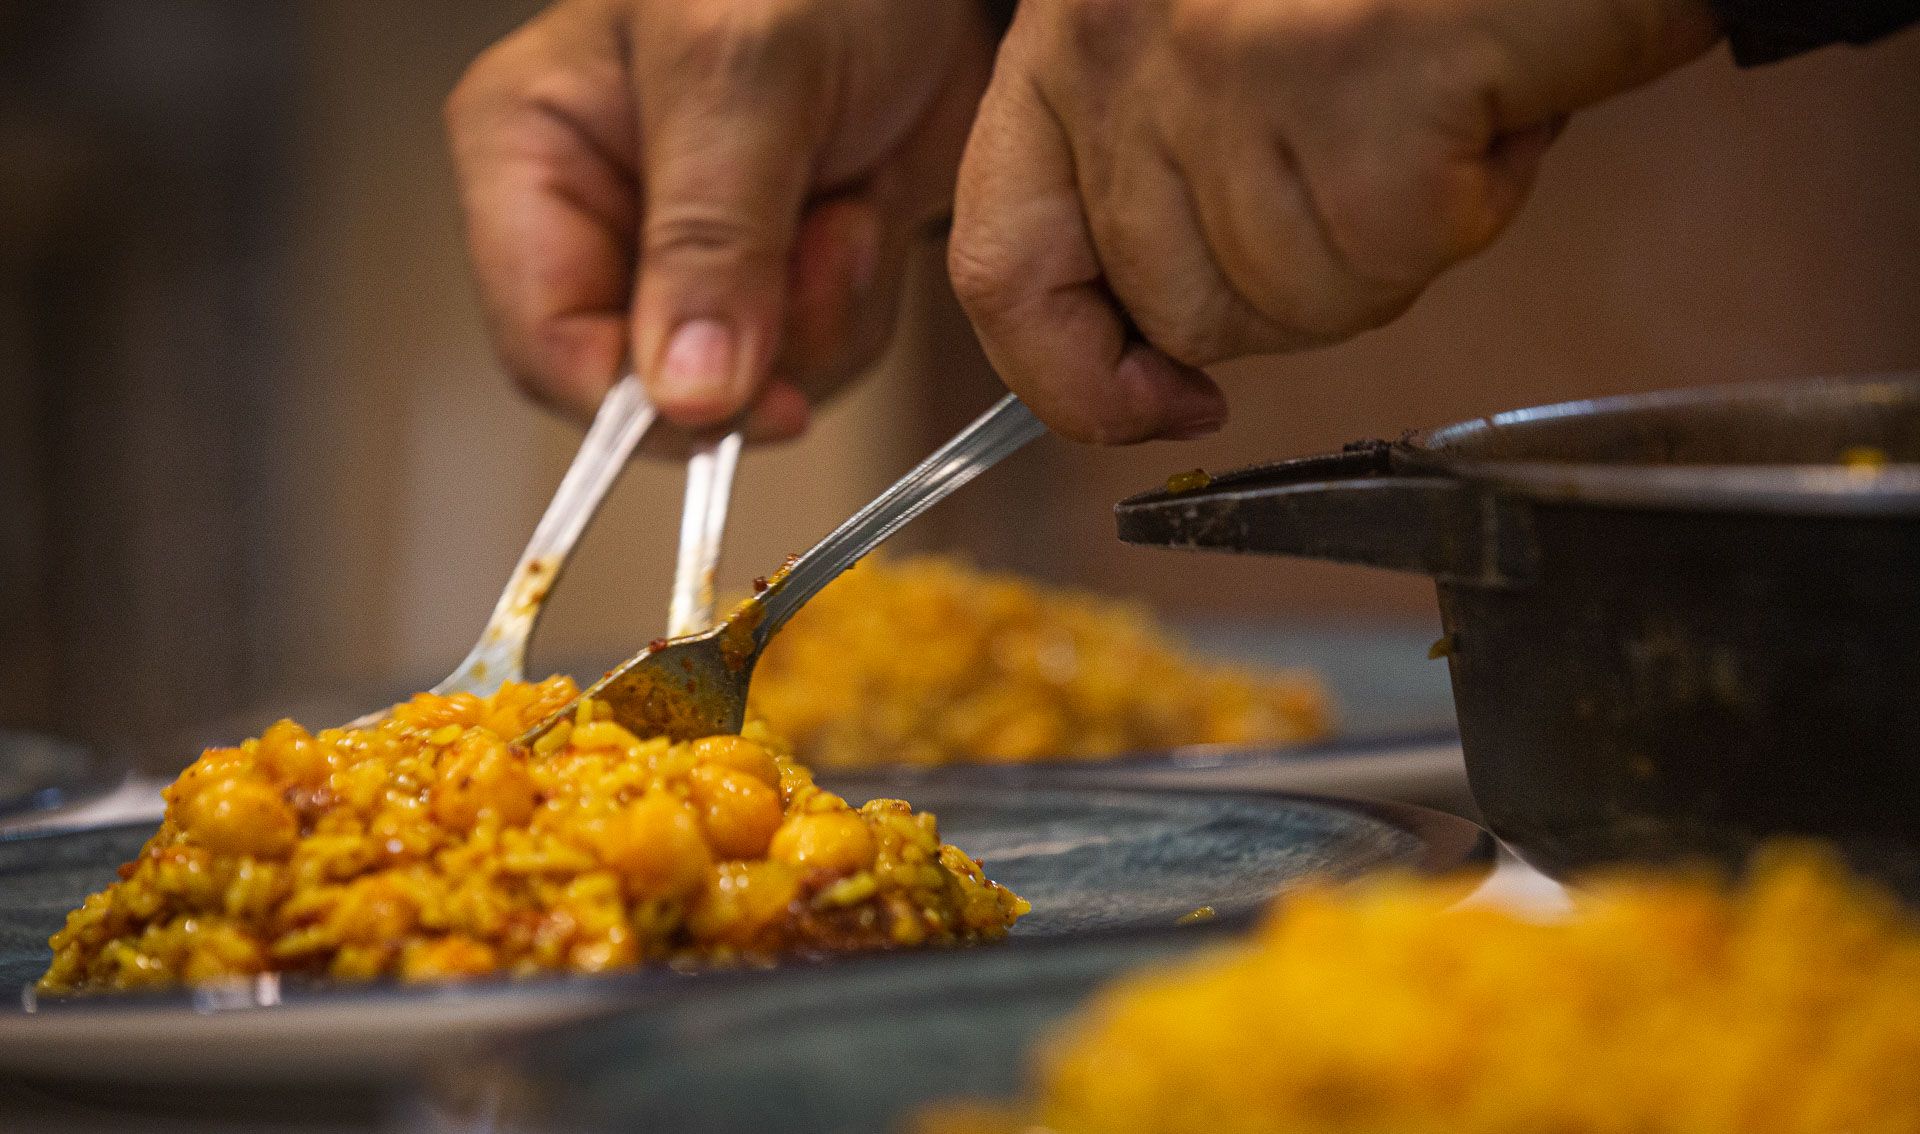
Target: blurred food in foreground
929 661
427 847
1662 1003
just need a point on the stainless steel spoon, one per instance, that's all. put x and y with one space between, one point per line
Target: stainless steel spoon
697 686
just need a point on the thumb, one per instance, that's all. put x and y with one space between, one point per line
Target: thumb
1024 266
725 178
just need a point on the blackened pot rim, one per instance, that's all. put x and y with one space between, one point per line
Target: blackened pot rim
1759 485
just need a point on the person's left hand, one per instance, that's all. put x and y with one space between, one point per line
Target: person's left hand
720 195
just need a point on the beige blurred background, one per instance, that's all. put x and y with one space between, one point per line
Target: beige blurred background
338 503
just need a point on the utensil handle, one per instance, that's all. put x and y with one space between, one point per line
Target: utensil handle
994 435
623 419
703 529
1355 506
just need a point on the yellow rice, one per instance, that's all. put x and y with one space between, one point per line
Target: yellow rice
928 661
1662 1004
426 847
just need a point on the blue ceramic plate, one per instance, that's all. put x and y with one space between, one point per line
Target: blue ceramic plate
40 773
1091 860
855 1051
1423 768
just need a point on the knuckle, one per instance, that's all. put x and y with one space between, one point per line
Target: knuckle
1103 29
980 281
478 89
1390 245
1207 33
514 88
1175 308
1318 26
742 37
561 90
706 231
1186 331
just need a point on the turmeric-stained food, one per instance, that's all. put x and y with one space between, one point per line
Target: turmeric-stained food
428 847
1661 1004
927 661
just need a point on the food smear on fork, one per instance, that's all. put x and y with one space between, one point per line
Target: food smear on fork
426 847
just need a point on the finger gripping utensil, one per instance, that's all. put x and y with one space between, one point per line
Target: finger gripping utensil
500 655
697 686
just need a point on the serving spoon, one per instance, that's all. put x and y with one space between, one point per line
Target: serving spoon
696 686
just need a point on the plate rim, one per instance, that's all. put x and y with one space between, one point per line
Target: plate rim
1185 757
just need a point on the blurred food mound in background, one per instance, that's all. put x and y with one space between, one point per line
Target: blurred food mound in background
931 661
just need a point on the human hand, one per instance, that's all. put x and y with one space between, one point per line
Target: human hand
1154 186
722 192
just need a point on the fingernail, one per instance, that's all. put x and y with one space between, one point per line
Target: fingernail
1193 428
699 360
1197 421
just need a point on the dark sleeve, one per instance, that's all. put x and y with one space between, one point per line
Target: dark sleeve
1000 14
1762 31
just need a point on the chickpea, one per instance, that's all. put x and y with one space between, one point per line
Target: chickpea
833 841
741 899
451 956
215 766
242 817
222 951
739 811
375 911
480 775
740 754
291 754
656 845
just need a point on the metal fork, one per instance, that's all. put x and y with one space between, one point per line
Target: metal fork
697 686
703 526
500 655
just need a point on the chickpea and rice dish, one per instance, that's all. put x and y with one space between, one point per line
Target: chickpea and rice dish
1664 1003
427 847
930 661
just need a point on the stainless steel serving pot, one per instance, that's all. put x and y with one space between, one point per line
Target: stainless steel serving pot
1676 623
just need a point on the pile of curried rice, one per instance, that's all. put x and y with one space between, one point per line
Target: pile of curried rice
427 847
1662 1004
928 661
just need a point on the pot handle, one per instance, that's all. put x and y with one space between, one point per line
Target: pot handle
1354 506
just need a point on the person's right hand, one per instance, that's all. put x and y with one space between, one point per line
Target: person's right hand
1157 186
720 193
